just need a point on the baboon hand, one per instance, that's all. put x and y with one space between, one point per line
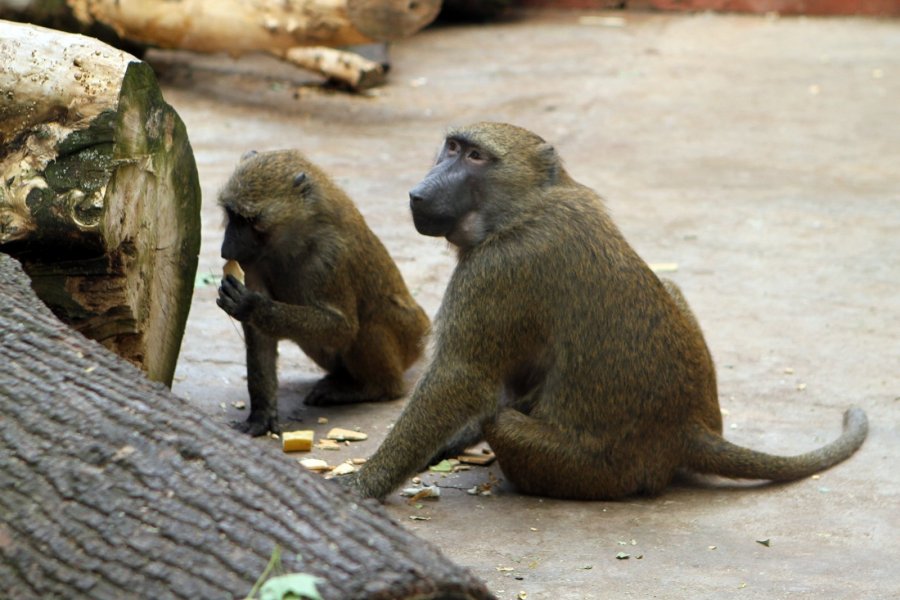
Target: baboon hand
235 299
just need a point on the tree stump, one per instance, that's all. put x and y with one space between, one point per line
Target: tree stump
111 487
99 195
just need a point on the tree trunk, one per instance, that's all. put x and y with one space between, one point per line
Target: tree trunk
238 26
111 487
99 196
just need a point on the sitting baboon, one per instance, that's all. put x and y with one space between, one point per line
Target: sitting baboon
557 343
317 275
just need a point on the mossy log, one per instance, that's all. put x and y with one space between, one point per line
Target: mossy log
99 195
111 487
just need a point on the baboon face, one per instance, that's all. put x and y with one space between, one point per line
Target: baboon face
267 202
451 189
244 239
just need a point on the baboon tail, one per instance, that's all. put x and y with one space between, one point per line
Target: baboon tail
708 452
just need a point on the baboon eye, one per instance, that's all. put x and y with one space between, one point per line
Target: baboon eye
452 147
474 155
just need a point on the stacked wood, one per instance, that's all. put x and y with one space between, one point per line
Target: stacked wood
111 487
99 195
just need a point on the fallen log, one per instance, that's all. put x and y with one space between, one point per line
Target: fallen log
237 26
111 487
288 29
99 195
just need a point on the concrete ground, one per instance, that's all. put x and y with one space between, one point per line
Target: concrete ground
761 155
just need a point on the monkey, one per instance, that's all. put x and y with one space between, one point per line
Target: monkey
587 375
317 275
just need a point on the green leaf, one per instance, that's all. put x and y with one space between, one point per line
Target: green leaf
445 466
295 585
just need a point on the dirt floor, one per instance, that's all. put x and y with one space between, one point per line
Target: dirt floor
761 155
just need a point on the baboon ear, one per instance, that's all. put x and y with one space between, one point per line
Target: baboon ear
249 154
548 162
299 179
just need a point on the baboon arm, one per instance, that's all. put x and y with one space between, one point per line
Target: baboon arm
262 383
262 356
444 401
311 323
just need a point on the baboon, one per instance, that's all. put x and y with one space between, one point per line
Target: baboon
588 376
317 275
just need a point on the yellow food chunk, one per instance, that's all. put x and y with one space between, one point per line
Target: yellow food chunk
234 269
297 441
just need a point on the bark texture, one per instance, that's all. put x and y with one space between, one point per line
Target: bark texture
99 195
111 487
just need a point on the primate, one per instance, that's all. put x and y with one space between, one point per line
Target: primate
588 376
317 275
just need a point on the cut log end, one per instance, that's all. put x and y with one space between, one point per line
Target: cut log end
99 196
386 20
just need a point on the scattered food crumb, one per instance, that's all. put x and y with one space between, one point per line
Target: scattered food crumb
240 405
341 435
297 441
343 469
419 518
417 493
322 420
314 464
623 555
326 444
766 542
481 459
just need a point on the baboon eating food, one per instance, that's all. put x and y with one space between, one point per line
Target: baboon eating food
317 275
588 376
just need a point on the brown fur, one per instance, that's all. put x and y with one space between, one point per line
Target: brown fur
315 274
588 376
